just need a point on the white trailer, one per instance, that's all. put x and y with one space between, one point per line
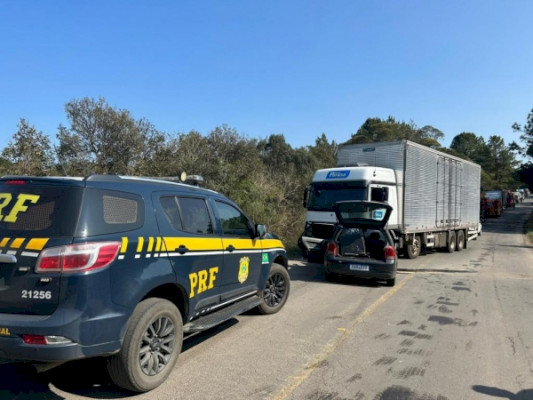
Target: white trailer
435 196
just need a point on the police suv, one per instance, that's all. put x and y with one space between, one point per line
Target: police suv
123 267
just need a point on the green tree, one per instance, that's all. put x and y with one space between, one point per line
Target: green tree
102 139
502 162
377 130
29 152
527 134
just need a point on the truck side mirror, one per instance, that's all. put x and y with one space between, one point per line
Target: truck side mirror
306 196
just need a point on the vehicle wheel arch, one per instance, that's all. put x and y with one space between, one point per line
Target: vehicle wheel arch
172 292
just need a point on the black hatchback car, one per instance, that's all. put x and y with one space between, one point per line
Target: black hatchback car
361 246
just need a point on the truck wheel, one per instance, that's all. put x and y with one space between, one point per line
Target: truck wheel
460 241
276 290
451 243
151 346
413 250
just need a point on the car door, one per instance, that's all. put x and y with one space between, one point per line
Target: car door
195 251
242 252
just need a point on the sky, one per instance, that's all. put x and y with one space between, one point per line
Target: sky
297 68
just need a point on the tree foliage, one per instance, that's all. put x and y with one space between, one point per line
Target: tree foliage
377 130
527 134
29 152
102 139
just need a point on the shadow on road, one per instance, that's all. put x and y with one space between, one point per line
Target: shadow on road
82 378
526 394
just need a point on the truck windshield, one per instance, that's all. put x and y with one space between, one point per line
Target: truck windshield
325 194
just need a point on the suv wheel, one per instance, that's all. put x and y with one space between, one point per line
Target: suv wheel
276 290
151 346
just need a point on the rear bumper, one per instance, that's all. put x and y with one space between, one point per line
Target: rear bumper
377 270
89 337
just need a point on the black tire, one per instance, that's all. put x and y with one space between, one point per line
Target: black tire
330 277
276 290
413 250
390 282
460 241
155 333
451 243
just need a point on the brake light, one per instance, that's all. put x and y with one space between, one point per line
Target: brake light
40 339
34 339
390 254
77 257
15 182
333 249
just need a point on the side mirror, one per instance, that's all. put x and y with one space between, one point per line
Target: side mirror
260 231
306 196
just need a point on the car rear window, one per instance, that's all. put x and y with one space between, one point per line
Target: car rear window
49 210
39 209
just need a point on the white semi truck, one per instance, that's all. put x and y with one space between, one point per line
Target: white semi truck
435 196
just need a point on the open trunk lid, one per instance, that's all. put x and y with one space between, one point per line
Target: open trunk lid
35 213
362 214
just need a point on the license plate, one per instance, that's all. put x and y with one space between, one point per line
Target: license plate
359 267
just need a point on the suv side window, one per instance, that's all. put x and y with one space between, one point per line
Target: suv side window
110 211
188 214
234 223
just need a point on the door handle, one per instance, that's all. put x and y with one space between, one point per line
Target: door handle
182 249
230 248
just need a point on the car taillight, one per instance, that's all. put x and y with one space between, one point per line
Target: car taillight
390 254
77 257
332 249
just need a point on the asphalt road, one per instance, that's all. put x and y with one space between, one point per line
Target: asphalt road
455 326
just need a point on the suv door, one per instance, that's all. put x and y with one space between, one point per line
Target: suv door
242 252
192 247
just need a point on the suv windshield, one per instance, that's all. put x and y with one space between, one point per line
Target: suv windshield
324 195
39 209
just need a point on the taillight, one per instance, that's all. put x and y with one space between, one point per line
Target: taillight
390 254
40 339
77 257
333 249
15 182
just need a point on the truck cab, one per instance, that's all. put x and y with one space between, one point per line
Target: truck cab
332 185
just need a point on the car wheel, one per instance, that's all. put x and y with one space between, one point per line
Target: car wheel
451 243
330 277
390 282
460 241
276 290
413 250
151 346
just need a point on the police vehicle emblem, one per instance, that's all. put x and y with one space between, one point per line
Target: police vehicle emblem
243 269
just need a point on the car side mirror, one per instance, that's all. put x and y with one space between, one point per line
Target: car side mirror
260 231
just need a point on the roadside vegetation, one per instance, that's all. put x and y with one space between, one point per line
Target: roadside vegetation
266 176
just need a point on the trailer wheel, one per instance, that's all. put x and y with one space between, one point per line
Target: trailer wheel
451 242
460 241
413 250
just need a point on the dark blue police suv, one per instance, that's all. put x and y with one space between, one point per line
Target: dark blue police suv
122 267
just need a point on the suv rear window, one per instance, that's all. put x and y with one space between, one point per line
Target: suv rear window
54 210
39 210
